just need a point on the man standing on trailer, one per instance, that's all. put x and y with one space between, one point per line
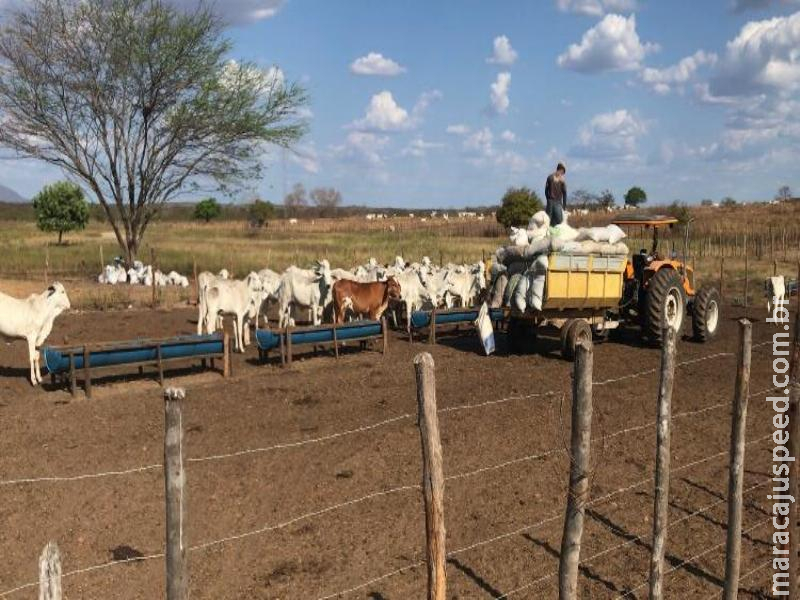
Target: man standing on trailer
555 191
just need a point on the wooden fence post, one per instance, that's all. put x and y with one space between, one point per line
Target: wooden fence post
175 494
746 277
153 269
226 354
580 453
197 286
733 545
722 278
432 475
661 498
794 450
50 573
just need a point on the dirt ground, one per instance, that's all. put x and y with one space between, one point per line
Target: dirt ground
299 548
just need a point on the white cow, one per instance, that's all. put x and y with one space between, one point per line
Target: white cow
775 288
413 293
467 284
32 319
238 298
204 281
307 288
438 285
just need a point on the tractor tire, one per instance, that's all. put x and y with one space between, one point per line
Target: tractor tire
665 305
579 331
706 314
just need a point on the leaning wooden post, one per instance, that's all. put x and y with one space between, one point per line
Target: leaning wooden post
746 276
733 546
226 354
175 493
661 500
87 372
722 278
153 269
384 335
432 475
580 453
50 573
794 450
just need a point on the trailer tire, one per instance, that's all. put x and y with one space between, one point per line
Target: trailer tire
706 314
579 331
665 304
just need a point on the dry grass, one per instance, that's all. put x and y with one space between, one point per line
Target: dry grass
28 257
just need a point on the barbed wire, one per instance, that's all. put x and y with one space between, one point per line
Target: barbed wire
332 436
633 540
551 518
695 557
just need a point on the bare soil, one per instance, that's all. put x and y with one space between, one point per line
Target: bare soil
46 432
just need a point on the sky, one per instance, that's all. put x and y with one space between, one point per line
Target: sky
446 103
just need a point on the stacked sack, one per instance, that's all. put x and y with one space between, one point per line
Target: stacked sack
521 268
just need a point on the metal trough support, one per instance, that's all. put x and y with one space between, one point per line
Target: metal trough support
67 361
432 319
319 335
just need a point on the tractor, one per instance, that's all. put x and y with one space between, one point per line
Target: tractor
660 291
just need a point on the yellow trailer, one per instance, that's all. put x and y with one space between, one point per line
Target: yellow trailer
582 295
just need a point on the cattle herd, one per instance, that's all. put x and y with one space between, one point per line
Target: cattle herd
324 294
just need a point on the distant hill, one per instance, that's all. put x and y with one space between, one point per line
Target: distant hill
9 195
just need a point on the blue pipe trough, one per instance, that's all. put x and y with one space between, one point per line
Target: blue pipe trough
269 340
422 318
136 351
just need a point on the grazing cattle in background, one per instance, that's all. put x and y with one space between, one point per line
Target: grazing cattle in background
370 299
31 319
775 288
306 288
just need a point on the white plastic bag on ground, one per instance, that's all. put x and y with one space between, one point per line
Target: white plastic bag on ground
485 330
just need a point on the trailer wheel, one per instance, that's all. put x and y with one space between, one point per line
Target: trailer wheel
579 331
705 314
665 304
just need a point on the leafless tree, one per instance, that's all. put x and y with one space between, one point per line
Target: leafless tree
327 200
139 101
296 199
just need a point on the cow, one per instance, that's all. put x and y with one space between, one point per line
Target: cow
467 284
370 299
308 288
413 293
239 298
31 319
775 290
204 281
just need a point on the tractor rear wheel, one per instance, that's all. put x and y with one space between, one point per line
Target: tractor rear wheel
579 331
705 314
665 304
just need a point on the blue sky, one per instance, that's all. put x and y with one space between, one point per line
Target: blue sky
447 103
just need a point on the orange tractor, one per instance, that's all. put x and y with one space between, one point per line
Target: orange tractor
659 290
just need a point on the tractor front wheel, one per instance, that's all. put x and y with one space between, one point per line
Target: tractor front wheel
665 304
705 314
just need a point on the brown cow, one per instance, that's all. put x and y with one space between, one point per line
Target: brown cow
369 299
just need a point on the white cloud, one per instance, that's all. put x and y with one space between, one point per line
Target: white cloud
424 101
363 147
458 129
375 63
611 45
306 156
611 136
662 81
596 8
503 53
763 58
418 147
498 93
480 142
237 12
508 136
384 114
512 161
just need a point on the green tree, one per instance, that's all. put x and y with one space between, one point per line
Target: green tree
61 207
518 206
635 196
207 209
728 202
138 100
706 202
260 212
